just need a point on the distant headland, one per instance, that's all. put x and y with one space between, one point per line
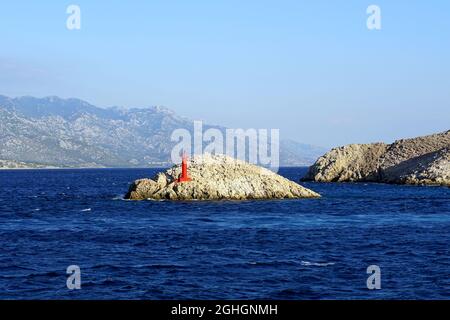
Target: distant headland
420 161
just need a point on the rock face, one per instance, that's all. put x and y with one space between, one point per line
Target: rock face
355 162
422 160
218 178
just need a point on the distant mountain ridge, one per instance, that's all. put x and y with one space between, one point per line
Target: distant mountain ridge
73 133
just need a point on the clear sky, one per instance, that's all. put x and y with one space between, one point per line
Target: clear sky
309 68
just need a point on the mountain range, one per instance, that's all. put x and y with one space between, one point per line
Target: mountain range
52 131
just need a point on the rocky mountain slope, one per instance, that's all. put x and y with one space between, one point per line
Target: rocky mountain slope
72 132
422 160
218 178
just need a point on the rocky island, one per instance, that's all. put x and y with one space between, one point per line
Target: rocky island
423 160
218 177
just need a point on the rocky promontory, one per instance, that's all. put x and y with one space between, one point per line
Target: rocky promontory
422 160
218 177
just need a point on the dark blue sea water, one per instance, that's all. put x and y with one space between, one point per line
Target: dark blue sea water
296 249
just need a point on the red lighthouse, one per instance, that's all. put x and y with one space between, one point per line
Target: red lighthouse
184 170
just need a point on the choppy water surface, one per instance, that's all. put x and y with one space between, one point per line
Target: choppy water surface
294 249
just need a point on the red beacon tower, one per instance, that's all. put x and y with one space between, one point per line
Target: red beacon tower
184 170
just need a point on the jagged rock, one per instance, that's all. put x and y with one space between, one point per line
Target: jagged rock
422 160
431 168
406 149
355 162
218 178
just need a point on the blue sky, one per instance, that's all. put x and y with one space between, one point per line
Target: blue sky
309 68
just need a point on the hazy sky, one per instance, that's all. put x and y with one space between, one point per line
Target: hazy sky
310 68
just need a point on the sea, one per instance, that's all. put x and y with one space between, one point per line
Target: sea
305 249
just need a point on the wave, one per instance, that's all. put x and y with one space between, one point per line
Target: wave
317 264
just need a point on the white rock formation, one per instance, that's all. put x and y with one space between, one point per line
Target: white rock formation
218 178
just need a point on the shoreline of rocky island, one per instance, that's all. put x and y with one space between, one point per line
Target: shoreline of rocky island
218 177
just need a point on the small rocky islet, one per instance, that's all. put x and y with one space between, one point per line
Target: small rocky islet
417 161
218 177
